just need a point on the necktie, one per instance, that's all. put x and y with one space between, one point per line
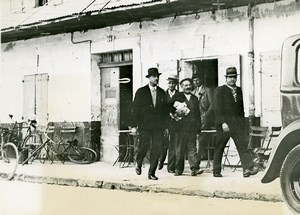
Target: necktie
154 96
234 95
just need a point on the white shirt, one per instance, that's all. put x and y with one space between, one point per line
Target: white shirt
187 96
171 93
152 88
197 91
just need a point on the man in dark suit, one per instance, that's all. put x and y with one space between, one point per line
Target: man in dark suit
168 146
185 110
230 122
149 114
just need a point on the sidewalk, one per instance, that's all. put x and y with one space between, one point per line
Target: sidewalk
104 175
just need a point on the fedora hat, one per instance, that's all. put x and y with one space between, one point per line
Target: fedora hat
196 75
231 72
173 77
153 72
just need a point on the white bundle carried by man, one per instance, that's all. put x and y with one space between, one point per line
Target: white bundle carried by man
181 110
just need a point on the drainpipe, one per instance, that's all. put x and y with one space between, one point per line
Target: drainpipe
83 41
251 68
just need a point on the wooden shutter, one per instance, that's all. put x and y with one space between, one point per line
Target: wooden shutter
35 96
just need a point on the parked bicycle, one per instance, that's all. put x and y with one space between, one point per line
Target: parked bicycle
8 157
62 150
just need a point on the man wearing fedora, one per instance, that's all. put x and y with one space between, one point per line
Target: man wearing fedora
168 146
230 122
149 114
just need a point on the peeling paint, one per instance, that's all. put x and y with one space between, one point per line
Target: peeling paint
278 10
232 14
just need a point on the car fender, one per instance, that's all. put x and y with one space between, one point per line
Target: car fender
287 140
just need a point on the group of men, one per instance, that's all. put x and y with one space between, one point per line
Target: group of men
171 121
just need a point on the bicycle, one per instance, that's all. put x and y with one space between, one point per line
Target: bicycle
61 150
9 157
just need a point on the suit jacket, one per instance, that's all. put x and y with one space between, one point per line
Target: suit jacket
205 97
144 115
226 109
191 122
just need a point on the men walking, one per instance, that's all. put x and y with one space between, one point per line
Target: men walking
185 110
149 114
229 120
168 146
205 96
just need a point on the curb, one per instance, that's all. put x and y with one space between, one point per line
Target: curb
129 187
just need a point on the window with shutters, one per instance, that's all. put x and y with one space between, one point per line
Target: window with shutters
35 97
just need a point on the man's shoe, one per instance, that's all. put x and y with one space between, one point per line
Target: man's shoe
138 170
217 174
171 171
200 172
246 173
152 177
177 174
160 165
252 171
194 173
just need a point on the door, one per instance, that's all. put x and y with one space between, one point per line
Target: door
110 107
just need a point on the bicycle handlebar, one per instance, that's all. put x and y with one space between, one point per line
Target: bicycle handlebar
31 122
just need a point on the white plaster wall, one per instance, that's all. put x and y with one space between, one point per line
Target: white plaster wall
272 25
68 66
154 43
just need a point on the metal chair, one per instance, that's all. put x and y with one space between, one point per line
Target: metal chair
126 150
210 145
264 151
257 133
226 162
257 137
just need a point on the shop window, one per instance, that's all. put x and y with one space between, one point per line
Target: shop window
116 57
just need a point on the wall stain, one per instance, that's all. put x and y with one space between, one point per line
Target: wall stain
9 46
279 10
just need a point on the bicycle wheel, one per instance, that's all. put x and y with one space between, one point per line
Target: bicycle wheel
82 155
9 161
32 143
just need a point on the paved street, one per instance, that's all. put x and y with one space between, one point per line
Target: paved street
19 198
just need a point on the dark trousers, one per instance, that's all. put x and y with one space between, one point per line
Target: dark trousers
149 139
168 147
185 141
240 142
203 139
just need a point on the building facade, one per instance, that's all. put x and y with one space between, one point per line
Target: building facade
84 64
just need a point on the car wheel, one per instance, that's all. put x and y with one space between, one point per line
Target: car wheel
290 180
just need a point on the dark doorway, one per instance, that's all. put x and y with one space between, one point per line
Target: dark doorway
125 109
125 95
208 70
